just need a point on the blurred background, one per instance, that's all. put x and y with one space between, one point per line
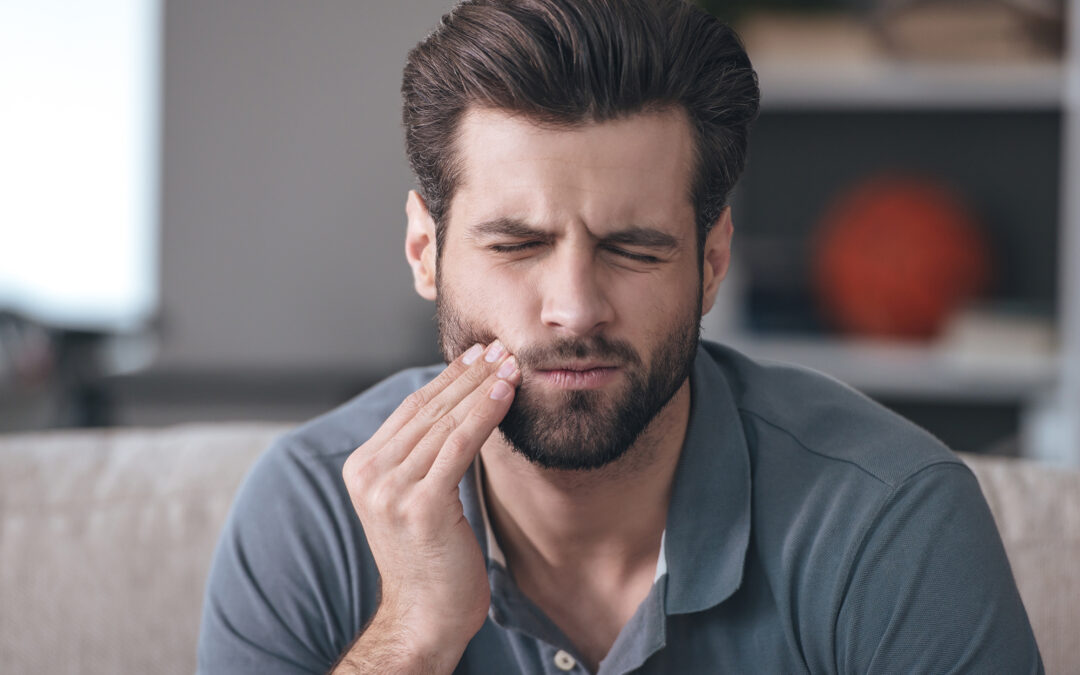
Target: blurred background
201 210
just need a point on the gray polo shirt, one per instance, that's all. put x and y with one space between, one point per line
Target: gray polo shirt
809 530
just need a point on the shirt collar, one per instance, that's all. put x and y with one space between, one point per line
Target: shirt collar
707 534
491 549
708 523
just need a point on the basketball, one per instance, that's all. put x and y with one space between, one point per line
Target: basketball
895 256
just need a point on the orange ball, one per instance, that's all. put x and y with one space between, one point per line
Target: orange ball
895 256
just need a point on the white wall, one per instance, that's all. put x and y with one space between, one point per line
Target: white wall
284 183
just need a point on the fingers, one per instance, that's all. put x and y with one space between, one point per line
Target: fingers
445 452
427 409
422 396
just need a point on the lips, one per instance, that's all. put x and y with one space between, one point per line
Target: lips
578 376
579 366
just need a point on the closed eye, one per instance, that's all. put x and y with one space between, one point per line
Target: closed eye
621 252
637 257
513 248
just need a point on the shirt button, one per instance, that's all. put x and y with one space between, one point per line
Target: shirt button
564 661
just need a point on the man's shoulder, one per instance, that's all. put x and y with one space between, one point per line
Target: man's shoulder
304 464
332 436
292 569
826 422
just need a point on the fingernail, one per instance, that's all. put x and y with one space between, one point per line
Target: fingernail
472 354
494 352
501 390
507 368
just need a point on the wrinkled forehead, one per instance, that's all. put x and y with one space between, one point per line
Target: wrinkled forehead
634 168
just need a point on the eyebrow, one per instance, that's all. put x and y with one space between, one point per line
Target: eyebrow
634 235
508 227
645 237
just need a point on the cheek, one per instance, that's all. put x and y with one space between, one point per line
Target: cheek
662 294
485 289
654 309
493 298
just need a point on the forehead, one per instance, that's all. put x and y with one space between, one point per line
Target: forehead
632 170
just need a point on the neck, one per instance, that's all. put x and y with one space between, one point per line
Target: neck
552 521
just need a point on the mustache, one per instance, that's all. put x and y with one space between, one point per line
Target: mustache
538 357
596 347
544 357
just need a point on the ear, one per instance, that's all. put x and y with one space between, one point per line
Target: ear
420 245
717 255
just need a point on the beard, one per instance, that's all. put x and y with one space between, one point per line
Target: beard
589 429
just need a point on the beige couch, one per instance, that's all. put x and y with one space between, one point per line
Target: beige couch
105 539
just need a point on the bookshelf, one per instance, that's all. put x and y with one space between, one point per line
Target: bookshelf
976 105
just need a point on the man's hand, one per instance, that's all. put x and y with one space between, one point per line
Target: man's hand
404 486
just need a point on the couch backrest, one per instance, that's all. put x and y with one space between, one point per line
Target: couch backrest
105 543
106 538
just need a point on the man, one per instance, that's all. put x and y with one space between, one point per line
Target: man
587 487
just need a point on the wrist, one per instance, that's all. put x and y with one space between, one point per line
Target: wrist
395 643
429 627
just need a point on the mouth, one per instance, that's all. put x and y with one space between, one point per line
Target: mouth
577 376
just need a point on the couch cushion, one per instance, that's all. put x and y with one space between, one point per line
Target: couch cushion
1037 510
105 543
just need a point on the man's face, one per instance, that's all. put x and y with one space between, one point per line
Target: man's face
577 249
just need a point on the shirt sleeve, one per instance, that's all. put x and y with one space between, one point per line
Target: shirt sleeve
931 590
285 594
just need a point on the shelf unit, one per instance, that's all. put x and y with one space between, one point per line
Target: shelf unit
1045 385
910 86
904 370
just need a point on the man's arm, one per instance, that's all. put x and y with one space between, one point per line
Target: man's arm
292 578
931 590
282 597
403 484
382 646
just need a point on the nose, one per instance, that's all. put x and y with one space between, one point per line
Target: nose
575 301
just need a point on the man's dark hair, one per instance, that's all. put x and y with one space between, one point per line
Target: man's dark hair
569 62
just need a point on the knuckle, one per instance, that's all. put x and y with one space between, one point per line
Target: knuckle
475 374
396 511
455 446
382 499
357 469
451 372
357 458
352 471
445 425
415 402
411 510
430 414
478 375
410 505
